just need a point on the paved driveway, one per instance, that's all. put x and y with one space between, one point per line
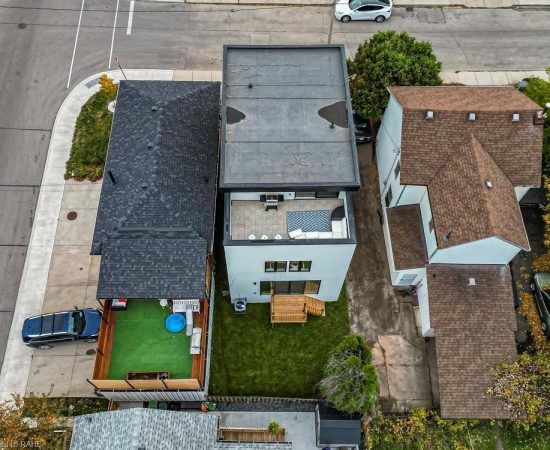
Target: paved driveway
72 281
405 363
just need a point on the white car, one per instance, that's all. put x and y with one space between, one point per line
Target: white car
377 10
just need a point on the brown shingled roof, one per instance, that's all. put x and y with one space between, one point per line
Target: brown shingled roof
407 237
472 199
474 331
426 145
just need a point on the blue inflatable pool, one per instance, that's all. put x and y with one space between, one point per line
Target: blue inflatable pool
175 322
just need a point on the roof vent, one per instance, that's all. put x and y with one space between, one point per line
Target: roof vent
515 117
154 108
150 145
446 237
429 115
471 282
472 117
250 85
144 186
489 184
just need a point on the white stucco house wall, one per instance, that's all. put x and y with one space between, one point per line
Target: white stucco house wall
288 167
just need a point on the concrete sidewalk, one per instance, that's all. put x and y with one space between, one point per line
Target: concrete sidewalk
489 78
59 271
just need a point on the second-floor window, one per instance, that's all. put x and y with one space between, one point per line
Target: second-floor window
389 197
299 266
275 266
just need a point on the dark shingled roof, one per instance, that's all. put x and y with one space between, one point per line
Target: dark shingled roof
407 237
474 331
162 155
153 268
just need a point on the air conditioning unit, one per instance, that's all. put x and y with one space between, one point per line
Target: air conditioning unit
240 306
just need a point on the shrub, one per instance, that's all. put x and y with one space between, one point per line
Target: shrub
274 427
350 382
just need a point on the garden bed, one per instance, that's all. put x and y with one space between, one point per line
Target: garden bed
91 138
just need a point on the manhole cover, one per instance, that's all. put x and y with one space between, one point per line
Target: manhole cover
72 215
91 351
22 26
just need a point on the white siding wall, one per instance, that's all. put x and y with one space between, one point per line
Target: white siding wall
245 266
486 251
388 143
521 191
422 292
429 236
410 194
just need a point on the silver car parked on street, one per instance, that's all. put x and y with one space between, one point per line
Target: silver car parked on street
377 10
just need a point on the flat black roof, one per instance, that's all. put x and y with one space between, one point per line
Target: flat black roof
286 118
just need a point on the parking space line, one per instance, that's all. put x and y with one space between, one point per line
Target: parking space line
75 42
130 17
113 35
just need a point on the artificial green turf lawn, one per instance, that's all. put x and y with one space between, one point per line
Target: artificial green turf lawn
141 343
249 357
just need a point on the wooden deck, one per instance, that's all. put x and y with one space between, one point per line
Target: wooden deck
295 308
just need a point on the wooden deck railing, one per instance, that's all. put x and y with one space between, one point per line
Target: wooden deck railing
105 342
198 366
146 385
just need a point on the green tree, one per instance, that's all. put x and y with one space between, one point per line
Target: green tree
350 382
389 59
524 387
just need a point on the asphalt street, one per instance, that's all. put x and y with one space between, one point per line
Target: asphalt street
48 46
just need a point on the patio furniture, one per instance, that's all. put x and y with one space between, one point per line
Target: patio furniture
175 322
308 221
196 341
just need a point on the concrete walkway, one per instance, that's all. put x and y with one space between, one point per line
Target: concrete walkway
58 268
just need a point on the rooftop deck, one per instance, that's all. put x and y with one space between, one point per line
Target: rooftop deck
249 217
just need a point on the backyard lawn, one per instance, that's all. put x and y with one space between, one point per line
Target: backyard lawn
142 344
249 357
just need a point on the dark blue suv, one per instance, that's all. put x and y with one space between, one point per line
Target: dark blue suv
48 329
